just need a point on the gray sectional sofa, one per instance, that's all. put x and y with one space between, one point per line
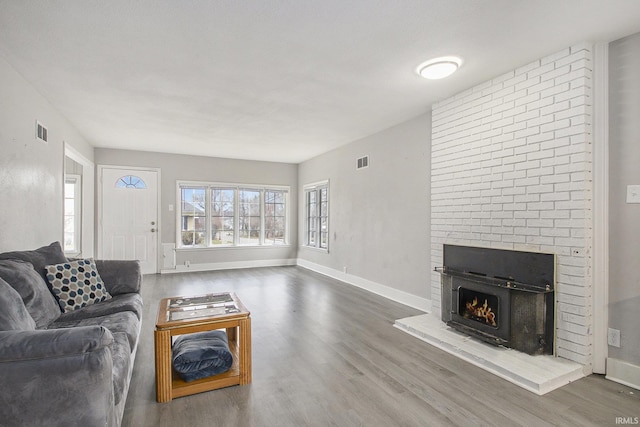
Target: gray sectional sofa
66 368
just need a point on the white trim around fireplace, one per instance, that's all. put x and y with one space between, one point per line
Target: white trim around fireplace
600 206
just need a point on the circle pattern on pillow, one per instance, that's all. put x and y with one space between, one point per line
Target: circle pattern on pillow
76 284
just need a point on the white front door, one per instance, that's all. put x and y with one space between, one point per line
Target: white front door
129 216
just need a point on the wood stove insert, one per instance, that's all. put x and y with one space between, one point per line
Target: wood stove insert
502 297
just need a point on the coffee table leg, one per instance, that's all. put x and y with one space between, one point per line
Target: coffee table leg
163 365
245 350
232 334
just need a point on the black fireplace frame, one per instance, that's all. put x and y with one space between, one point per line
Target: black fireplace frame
524 284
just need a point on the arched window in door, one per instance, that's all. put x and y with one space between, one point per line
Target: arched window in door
131 181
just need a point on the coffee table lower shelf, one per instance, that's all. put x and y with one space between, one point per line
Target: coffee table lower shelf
169 385
180 388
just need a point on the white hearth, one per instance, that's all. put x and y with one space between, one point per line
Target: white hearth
538 374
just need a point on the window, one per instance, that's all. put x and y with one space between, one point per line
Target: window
222 216
131 181
193 216
217 215
274 217
249 217
72 213
316 198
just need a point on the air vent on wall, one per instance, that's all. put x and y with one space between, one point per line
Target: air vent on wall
42 134
363 162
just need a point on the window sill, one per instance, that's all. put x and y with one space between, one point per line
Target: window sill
217 248
314 249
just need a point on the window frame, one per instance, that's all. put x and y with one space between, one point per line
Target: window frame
76 180
316 216
236 188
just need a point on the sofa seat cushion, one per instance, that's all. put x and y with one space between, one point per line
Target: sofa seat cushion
76 284
117 304
13 314
125 321
121 356
40 257
33 290
201 355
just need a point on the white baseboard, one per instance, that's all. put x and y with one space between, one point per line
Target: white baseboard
377 288
623 373
231 265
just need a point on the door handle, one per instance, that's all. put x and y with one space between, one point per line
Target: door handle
153 230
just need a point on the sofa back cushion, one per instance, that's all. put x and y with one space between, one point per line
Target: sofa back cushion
35 294
13 314
39 258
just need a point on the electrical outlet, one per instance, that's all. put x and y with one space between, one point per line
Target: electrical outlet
187 264
613 337
633 193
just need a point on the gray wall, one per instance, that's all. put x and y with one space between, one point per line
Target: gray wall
378 216
624 219
72 167
31 172
176 167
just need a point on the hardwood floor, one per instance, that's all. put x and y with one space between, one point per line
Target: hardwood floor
326 354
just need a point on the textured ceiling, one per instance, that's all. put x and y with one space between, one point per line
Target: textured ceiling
276 80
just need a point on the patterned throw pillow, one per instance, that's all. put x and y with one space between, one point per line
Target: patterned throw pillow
76 284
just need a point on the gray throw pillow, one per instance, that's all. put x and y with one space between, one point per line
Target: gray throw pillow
34 292
13 313
39 258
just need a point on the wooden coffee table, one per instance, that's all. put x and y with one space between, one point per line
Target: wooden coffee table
188 315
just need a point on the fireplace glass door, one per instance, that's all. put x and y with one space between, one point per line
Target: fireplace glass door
479 306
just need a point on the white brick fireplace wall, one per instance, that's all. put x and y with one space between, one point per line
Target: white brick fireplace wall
511 169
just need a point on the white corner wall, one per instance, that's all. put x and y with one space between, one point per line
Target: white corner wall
379 215
511 169
623 363
31 172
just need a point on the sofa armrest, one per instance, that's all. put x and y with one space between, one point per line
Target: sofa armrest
120 277
57 377
50 343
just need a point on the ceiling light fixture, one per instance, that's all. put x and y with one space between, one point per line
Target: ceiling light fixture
439 68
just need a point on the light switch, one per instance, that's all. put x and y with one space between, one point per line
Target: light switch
170 208
633 193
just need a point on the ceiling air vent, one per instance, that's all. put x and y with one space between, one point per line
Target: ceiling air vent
363 162
42 134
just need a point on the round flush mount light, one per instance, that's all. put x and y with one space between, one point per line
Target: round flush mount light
439 68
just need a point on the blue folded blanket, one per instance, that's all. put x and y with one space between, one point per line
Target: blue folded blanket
201 355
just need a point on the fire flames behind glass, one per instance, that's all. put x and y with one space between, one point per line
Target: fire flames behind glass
478 306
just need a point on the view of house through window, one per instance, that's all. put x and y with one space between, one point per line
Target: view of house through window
193 216
214 215
317 215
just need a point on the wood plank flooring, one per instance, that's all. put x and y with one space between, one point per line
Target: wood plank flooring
326 354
